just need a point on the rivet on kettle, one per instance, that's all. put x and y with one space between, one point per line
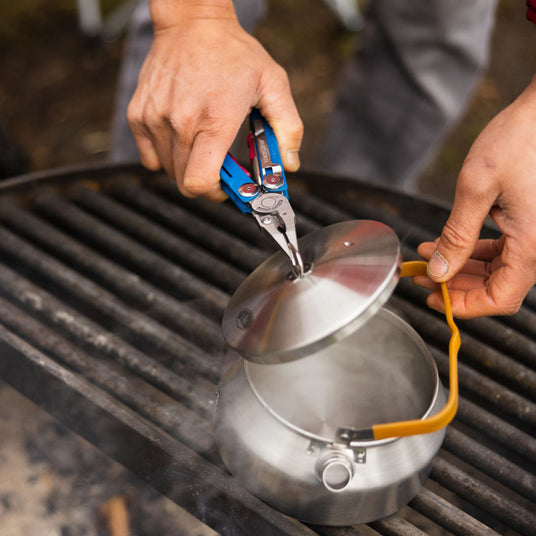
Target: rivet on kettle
360 455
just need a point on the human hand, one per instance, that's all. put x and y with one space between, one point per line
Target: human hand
498 177
201 78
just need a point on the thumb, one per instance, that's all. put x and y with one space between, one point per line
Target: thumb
278 108
458 237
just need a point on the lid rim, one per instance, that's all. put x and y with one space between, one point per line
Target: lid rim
285 356
356 267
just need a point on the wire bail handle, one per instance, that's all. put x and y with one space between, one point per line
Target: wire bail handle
443 417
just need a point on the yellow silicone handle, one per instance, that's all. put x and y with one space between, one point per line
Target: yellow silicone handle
441 419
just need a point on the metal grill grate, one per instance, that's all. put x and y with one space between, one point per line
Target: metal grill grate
111 291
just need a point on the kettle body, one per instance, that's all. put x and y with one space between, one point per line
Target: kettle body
288 431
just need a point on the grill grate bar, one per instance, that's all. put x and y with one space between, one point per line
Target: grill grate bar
434 330
199 262
494 427
448 516
118 245
502 338
243 255
150 402
222 216
326 213
530 299
340 531
524 321
225 216
185 320
139 324
475 353
88 333
319 210
396 526
482 496
491 463
474 383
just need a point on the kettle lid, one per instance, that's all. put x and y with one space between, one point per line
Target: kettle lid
351 269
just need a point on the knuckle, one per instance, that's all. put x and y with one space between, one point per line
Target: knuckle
195 186
299 129
149 121
211 127
509 306
513 308
187 124
456 234
280 75
142 117
210 122
277 79
180 119
134 112
506 297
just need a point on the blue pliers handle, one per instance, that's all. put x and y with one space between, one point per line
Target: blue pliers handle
269 175
266 195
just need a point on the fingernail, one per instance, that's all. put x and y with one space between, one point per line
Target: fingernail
437 265
293 160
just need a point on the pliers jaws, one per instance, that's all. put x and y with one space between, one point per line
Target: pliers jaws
266 197
275 215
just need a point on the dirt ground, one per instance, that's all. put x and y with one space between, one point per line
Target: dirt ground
54 483
56 100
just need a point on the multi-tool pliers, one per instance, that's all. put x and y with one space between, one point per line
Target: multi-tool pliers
266 196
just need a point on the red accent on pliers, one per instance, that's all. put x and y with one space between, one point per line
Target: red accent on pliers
240 165
251 145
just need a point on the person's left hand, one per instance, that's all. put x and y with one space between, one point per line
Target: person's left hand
498 177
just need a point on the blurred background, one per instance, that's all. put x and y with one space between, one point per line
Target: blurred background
57 84
57 88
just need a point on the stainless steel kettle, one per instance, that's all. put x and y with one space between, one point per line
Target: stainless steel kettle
344 431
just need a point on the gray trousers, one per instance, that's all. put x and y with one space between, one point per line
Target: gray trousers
409 80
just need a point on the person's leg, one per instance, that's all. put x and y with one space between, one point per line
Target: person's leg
416 66
140 36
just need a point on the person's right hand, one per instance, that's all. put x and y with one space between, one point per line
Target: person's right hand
201 78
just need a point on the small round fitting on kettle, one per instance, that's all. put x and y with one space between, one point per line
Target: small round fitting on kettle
335 470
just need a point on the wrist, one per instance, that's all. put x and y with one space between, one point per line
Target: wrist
166 13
